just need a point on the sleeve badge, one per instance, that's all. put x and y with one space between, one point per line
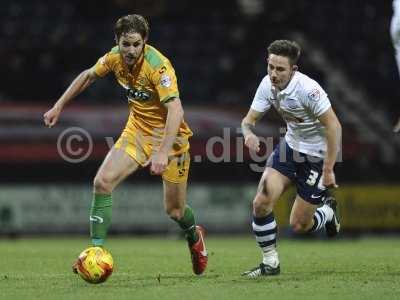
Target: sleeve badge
165 80
314 95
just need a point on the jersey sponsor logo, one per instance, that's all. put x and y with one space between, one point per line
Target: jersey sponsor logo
288 117
315 196
165 81
96 219
314 95
292 103
162 70
138 95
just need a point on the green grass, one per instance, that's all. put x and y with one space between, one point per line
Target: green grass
345 269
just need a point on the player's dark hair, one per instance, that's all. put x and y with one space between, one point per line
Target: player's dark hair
285 48
132 23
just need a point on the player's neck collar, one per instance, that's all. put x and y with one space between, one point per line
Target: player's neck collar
291 85
138 64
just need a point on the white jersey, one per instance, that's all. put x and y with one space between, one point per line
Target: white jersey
396 6
300 104
395 31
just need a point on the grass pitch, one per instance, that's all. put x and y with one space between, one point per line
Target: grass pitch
159 268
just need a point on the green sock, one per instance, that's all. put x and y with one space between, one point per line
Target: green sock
100 218
188 224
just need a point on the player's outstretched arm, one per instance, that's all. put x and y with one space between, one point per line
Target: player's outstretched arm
248 124
333 137
80 83
159 160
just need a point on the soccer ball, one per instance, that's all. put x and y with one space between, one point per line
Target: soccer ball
95 265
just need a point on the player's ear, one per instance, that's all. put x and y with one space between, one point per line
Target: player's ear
116 39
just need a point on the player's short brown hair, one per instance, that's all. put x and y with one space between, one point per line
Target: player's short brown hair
132 23
285 48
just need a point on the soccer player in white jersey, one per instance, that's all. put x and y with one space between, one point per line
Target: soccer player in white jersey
395 33
305 157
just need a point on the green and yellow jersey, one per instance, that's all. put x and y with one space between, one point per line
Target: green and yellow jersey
149 83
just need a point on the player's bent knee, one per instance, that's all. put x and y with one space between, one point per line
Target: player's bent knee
298 226
175 213
262 205
102 185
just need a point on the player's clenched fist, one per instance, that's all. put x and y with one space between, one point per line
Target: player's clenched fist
252 142
51 117
158 163
328 179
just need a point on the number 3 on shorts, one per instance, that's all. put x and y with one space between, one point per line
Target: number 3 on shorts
312 179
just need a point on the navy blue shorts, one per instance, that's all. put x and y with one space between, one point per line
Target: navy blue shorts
302 169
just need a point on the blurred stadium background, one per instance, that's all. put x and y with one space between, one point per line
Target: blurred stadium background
218 49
